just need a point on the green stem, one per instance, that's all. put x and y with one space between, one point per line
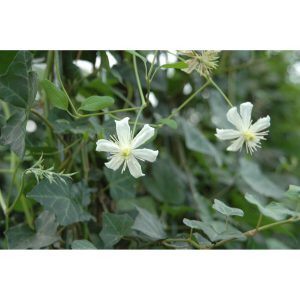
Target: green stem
188 100
144 104
107 112
138 81
220 91
253 232
61 83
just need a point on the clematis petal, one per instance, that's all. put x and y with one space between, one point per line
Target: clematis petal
261 124
107 146
134 167
143 136
115 162
145 154
236 145
245 110
123 132
227 134
234 118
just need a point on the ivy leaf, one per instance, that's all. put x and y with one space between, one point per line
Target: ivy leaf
215 231
259 182
293 193
22 237
274 210
227 210
6 57
196 141
57 97
121 186
18 85
58 198
14 132
115 227
176 65
149 225
82 245
95 103
166 184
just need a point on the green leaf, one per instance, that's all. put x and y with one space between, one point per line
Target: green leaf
227 210
149 225
58 198
169 122
6 57
274 210
95 103
196 141
14 132
22 237
115 227
121 186
57 97
293 193
82 245
18 85
215 231
259 182
166 184
176 65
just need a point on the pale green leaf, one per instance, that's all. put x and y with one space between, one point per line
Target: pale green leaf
169 122
82 245
196 141
227 210
274 210
259 182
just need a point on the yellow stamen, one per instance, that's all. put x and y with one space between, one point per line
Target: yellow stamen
125 152
248 135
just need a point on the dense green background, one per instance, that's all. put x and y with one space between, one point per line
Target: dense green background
100 208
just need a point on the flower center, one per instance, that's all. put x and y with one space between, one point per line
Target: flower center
248 135
126 151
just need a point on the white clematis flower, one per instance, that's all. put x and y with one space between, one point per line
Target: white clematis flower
246 132
123 148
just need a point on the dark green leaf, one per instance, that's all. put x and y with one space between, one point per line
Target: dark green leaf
166 184
14 132
57 97
18 85
149 224
95 103
115 227
6 57
58 198
227 210
82 245
22 237
121 186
